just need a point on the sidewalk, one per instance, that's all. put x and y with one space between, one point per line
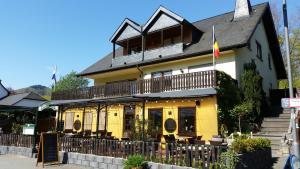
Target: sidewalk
20 162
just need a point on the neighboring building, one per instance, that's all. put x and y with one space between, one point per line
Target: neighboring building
163 71
3 91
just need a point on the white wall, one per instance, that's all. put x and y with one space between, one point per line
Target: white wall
225 63
245 55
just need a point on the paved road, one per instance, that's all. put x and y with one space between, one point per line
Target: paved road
19 162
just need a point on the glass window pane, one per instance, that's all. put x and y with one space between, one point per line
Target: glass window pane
187 117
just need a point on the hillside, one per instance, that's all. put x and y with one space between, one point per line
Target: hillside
39 89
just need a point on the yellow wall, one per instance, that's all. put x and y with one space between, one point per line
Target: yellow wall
206 115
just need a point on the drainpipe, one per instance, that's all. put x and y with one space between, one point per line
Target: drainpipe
139 69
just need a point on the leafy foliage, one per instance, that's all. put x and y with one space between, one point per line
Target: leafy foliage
16 128
242 111
228 160
253 93
228 95
242 145
136 132
134 161
71 81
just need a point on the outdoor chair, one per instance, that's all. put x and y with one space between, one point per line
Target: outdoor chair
199 137
200 142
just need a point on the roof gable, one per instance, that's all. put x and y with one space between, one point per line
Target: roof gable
127 29
162 18
3 91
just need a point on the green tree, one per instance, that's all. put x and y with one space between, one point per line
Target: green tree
241 111
294 41
71 81
252 90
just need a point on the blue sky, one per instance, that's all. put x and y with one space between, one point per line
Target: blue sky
35 35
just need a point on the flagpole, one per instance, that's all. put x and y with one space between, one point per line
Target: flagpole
213 45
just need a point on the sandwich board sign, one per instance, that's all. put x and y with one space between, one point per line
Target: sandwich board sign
290 102
48 149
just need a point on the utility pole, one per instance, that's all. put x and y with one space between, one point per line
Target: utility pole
290 80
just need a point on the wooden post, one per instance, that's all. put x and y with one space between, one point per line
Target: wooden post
83 117
143 46
114 49
162 38
181 30
35 132
143 121
61 117
97 126
58 119
105 124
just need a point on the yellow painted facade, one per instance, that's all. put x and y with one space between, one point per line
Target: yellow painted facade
206 115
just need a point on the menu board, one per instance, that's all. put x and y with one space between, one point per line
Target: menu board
48 148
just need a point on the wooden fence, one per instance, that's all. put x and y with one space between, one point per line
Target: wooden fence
169 153
16 140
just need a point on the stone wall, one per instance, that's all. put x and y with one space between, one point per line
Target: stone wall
86 160
103 162
22 151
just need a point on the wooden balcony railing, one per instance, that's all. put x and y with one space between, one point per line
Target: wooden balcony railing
197 80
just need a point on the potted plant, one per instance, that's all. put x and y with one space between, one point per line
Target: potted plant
134 162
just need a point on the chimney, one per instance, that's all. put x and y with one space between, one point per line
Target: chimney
243 9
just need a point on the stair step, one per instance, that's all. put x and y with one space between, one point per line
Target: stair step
275 125
279 129
276 119
285 115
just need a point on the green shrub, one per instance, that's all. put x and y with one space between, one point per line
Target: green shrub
228 160
134 161
242 145
16 128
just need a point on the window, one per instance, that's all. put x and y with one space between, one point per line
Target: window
155 118
186 120
129 112
259 51
269 61
88 120
69 120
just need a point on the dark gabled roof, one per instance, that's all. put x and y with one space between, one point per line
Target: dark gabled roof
1 85
157 13
13 99
230 34
120 29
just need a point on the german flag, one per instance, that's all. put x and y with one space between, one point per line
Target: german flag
216 47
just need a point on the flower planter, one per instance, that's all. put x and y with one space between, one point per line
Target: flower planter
137 168
259 159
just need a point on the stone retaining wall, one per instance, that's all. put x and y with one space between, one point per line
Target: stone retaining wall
103 162
86 160
22 151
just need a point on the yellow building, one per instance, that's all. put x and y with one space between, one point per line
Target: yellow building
161 75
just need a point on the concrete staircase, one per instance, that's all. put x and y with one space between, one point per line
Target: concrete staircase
275 128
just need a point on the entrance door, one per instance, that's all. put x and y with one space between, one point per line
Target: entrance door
129 117
155 119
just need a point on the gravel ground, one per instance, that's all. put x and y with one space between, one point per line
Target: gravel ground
20 162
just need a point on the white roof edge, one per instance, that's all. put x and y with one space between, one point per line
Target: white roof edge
129 22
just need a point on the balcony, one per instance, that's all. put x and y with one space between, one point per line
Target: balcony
188 81
149 54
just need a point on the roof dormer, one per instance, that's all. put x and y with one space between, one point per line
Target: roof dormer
128 29
161 19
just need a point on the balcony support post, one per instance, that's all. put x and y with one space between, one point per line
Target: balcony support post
97 126
58 119
181 33
143 121
83 119
114 49
143 46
